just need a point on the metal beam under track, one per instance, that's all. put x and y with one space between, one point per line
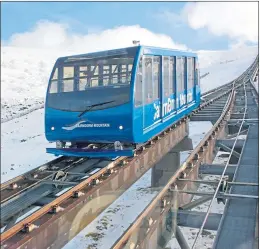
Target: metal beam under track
227 149
217 169
194 219
195 203
230 142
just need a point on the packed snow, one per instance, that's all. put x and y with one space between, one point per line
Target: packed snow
223 67
23 145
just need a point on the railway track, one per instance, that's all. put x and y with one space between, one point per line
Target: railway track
86 179
46 172
154 216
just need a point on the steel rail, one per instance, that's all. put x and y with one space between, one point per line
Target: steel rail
24 180
36 181
24 177
222 175
27 181
122 175
101 172
124 238
45 209
6 184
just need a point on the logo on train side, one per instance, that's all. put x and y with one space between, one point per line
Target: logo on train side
80 124
167 108
157 111
169 105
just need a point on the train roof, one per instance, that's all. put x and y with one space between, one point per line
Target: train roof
120 51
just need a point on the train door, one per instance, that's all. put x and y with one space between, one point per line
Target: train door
180 84
151 91
190 80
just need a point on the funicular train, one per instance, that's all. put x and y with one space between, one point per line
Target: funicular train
121 97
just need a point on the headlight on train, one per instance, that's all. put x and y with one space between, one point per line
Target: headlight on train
60 144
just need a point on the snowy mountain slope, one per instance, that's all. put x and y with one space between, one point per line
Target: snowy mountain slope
224 66
209 58
24 77
25 74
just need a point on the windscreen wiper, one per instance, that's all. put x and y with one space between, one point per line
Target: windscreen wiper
91 106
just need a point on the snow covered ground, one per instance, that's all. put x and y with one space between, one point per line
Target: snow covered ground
223 67
23 145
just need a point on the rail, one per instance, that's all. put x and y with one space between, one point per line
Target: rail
70 193
223 173
170 185
193 157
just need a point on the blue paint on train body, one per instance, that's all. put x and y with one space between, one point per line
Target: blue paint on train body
120 118
101 126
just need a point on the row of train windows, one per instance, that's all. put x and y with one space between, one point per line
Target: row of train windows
79 78
149 75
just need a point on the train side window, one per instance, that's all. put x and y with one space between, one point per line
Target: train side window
54 86
166 76
197 75
54 82
68 85
139 84
129 72
148 79
190 66
182 72
179 74
82 84
68 79
94 70
193 71
68 72
123 73
55 74
156 77
171 76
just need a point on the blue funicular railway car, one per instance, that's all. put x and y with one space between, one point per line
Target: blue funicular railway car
118 99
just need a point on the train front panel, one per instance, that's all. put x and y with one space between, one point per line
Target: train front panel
89 98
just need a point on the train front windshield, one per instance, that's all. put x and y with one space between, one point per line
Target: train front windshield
94 80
